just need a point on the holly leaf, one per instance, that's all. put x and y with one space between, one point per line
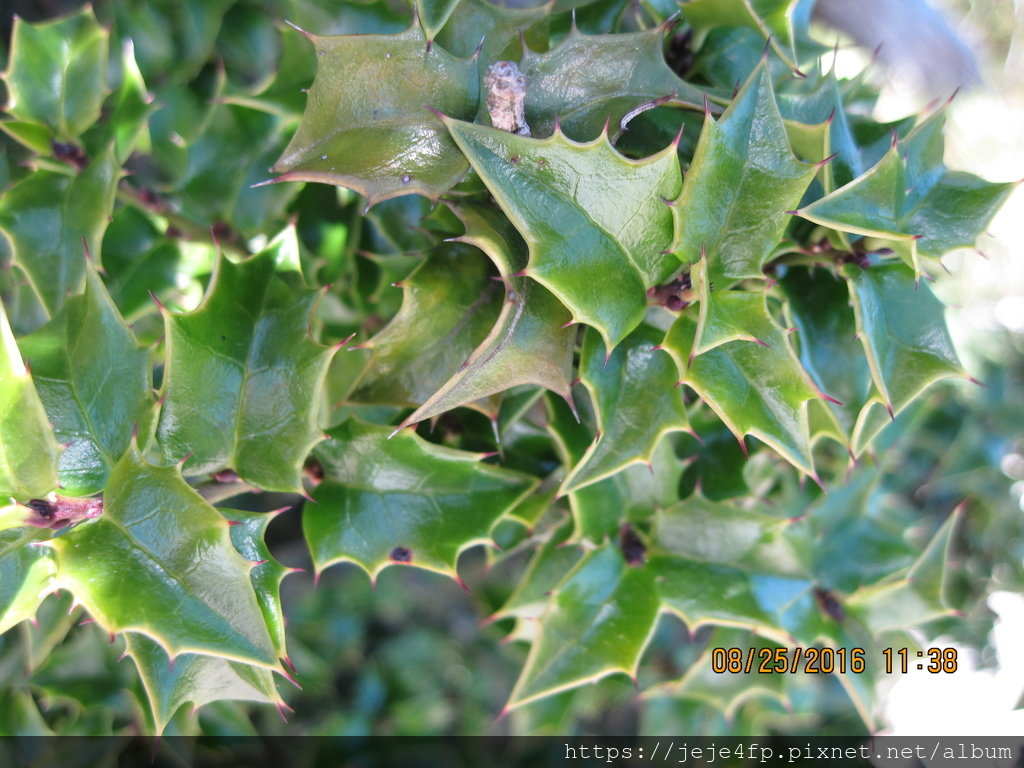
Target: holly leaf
243 379
248 531
817 303
584 210
772 19
532 341
590 79
903 329
637 403
448 306
48 216
403 501
365 127
756 389
93 378
189 589
28 450
26 574
497 31
914 599
742 181
548 567
916 203
57 74
434 14
598 623
195 678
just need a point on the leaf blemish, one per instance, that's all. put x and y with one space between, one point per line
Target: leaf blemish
401 555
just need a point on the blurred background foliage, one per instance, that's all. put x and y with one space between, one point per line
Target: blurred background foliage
415 655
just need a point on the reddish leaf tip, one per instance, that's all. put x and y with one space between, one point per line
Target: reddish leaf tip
297 28
157 301
437 113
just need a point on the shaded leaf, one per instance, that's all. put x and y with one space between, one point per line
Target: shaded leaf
159 544
433 14
28 450
48 216
195 678
495 29
637 404
588 79
548 567
742 181
57 73
756 389
595 221
365 126
26 574
532 341
903 329
93 378
244 378
402 500
772 19
598 623
448 306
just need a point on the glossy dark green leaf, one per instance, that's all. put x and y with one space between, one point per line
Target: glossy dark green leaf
910 198
903 329
532 341
597 624
449 305
244 377
817 303
403 500
26 574
48 216
596 222
366 127
497 30
742 181
777 21
28 450
93 378
636 400
57 73
548 567
248 535
589 79
756 389
195 678
159 562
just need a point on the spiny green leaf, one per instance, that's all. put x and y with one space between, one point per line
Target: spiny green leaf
195 678
903 329
915 599
918 205
532 341
497 30
773 19
128 124
598 623
48 215
742 181
58 73
589 79
548 567
247 534
26 574
637 404
631 494
595 221
756 389
28 450
817 304
365 126
434 14
724 316
93 378
159 562
243 375
402 500
449 304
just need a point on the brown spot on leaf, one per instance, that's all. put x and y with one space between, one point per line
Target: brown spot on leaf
632 546
829 604
401 555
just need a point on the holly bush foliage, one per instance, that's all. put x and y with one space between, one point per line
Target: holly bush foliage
620 347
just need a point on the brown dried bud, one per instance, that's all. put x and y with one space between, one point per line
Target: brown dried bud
506 92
